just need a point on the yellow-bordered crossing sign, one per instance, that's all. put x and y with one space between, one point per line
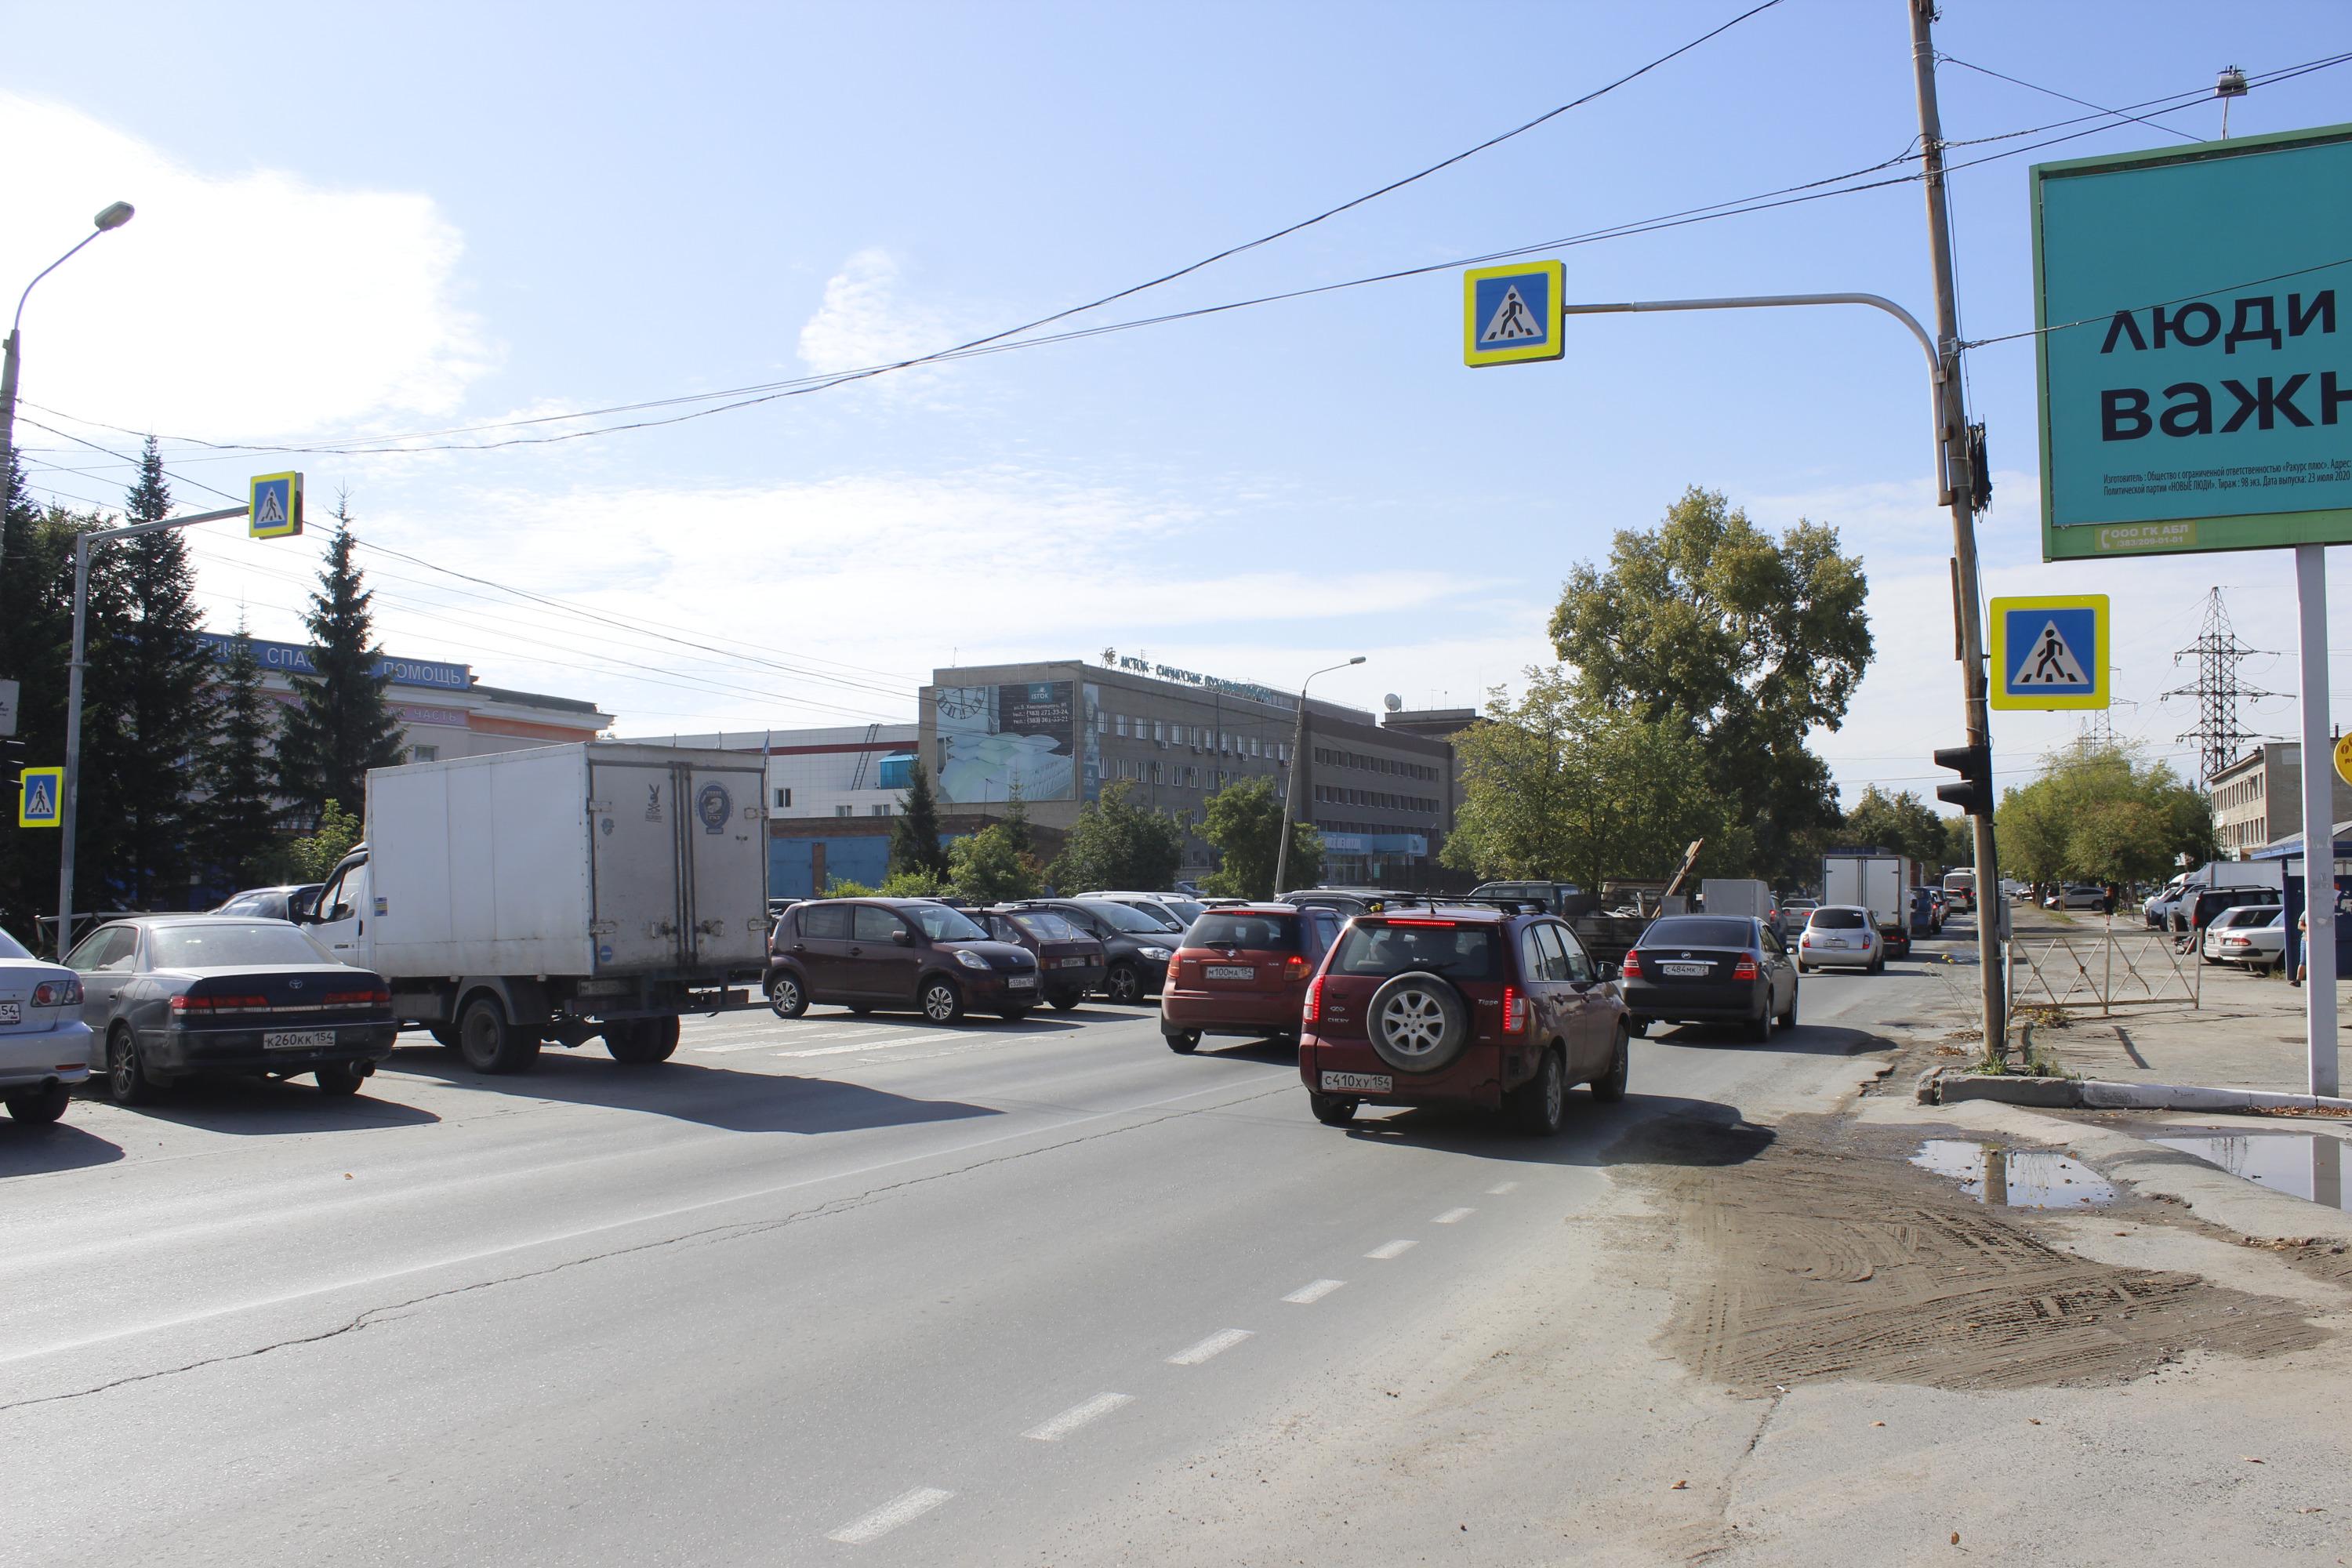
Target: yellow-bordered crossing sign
275 511
1511 313
2050 652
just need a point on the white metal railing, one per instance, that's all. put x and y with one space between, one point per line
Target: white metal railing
2109 969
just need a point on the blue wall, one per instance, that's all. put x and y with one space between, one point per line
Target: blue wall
792 863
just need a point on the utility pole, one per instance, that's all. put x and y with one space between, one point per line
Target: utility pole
1960 484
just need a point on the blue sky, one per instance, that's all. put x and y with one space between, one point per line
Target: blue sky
418 217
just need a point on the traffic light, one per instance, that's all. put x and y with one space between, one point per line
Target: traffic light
1973 792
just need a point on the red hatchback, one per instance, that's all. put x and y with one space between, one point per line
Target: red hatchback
1242 970
1496 1008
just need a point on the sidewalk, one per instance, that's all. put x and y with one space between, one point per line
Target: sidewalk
2247 1033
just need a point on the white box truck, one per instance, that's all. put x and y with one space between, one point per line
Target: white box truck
556 894
1741 895
1879 883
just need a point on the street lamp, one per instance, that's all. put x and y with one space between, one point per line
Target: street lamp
1290 785
114 214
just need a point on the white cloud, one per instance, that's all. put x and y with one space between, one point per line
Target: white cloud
866 319
253 304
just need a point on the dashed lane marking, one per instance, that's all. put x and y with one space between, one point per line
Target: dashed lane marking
863 1046
1388 1249
1215 1345
900 1509
1308 1295
1500 1188
1453 1216
1078 1415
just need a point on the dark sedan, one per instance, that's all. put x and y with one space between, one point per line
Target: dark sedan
1069 962
171 996
1136 947
1710 969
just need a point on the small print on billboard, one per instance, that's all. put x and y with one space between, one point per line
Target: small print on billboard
996 740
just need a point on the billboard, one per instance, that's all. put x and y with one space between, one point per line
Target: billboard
995 740
293 658
2196 375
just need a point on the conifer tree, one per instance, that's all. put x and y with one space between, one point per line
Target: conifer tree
242 809
915 836
164 679
343 726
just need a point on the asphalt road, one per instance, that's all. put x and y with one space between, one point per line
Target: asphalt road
837 1288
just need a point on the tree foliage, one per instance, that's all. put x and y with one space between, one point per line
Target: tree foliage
235 831
1117 844
164 679
1556 786
343 726
915 834
1243 822
1901 825
2100 814
316 854
1742 641
989 867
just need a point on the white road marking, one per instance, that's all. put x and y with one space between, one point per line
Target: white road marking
1078 1415
898 1511
1500 1188
1214 1344
1388 1249
861 1045
1453 1216
1308 1295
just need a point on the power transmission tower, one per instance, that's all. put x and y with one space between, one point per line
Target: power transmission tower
2218 736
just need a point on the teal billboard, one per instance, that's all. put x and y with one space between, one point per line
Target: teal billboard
2196 365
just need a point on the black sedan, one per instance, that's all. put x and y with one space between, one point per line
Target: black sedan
170 997
1710 969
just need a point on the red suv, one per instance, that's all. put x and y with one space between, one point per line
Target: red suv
1500 1008
1242 970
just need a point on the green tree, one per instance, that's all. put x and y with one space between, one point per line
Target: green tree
342 726
1743 641
1243 822
318 853
1556 786
1117 844
909 885
988 865
1960 841
166 678
241 805
1899 823
36 605
2100 814
915 834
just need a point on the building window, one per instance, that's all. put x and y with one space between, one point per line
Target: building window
882 810
783 799
424 754
1119 723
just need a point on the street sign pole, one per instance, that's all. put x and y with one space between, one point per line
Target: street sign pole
2318 822
1958 485
69 799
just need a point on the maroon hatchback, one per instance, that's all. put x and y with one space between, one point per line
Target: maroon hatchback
1491 1007
1242 970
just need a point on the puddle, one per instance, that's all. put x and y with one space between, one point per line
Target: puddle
2308 1165
2014 1178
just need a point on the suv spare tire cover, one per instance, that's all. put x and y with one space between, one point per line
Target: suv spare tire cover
1418 1021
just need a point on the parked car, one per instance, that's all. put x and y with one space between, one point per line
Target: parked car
1841 936
1552 896
1456 1005
2198 905
287 901
172 996
1069 962
1244 971
1710 969
1176 908
912 955
1136 947
2077 896
1346 901
44 1043
2252 934
1795 910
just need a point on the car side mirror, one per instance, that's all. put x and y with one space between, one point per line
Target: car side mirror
1607 972
903 937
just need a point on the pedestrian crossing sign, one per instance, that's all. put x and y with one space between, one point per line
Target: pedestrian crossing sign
40 798
2050 652
276 511
1511 313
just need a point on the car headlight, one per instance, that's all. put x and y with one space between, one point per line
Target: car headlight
970 959
1156 954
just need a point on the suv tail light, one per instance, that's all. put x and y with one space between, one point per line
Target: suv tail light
1744 970
1515 1010
1632 968
1295 967
1314 1012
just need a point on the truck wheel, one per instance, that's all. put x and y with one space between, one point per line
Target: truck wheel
36 1105
127 1082
339 1078
488 1043
942 1003
641 1041
787 997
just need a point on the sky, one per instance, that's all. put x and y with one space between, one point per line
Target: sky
362 223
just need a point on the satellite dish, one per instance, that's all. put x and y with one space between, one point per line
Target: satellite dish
1392 702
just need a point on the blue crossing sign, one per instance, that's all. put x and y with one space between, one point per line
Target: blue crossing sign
276 510
1511 313
2050 652
40 798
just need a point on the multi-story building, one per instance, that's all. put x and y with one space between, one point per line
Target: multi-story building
2258 799
832 795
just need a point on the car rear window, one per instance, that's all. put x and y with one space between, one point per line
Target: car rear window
1697 931
1265 933
1457 952
1120 916
1839 919
219 946
1045 925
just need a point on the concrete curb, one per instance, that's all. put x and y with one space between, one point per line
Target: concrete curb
1946 1087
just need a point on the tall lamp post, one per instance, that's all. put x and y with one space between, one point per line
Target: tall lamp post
1290 785
114 214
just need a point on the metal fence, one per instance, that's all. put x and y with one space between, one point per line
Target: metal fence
2105 968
